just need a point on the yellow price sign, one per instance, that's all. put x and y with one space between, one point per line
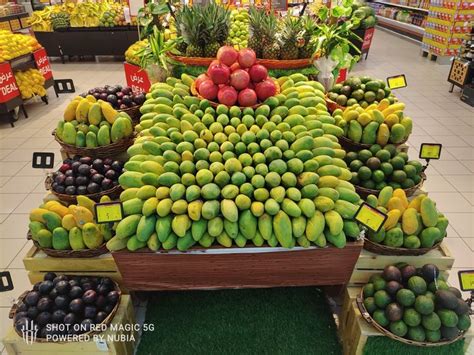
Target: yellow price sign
397 81
430 150
370 217
466 280
108 212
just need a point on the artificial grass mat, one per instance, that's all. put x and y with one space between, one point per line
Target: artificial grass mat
249 321
385 346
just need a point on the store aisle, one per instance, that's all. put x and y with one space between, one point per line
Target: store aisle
439 116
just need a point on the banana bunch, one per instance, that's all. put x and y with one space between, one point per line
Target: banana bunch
131 53
30 83
85 14
40 20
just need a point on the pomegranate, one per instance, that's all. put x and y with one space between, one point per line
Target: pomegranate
247 58
251 86
247 97
265 89
208 89
200 79
234 66
239 79
227 55
213 63
219 73
258 73
227 96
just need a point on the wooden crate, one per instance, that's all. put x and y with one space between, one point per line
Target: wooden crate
354 330
370 263
38 264
220 268
125 315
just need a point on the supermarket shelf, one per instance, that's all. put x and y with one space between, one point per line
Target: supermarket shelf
14 16
400 26
403 6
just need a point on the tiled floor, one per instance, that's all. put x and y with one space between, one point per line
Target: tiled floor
439 116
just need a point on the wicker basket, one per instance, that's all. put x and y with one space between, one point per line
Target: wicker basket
380 249
106 321
106 151
268 63
365 314
215 104
363 192
351 146
83 253
113 193
134 113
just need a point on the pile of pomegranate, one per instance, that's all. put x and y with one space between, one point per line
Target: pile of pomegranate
235 78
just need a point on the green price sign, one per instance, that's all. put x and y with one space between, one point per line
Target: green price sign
370 217
108 212
430 150
466 280
397 81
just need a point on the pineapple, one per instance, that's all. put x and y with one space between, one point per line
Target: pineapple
271 49
291 29
181 45
216 20
192 30
309 25
256 18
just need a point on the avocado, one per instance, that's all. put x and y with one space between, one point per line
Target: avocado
449 332
416 333
431 321
405 297
341 100
448 318
411 317
380 317
446 299
368 290
382 298
398 328
369 304
373 163
346 91
372 85
424 305
462 308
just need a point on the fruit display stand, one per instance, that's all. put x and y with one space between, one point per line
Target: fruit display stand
37 263
125 316
88 41
354 331
10 96
369 263
221 268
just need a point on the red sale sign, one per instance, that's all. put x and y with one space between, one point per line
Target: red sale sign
42 63
8 86
137 78
369 34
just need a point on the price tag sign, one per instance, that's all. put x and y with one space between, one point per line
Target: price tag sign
8 87
397 81
466 280
137 78
430 150
369 34
108 212
370 217
42 63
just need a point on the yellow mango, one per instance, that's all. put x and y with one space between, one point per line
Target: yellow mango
36 215
410 221
395 203
68 222
70 111
400 193
392 220
364 119
86 202
82 215
383 134
391 119
416 202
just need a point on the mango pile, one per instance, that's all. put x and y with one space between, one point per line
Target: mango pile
56 226
30 82
410 224
92 123
381 123
378 167
203 175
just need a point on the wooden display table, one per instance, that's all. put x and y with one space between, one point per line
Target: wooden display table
38 264
354 330
221 268
370 263
125 315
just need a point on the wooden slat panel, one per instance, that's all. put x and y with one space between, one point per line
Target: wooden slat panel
327 266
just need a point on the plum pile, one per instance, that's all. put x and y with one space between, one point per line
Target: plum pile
120 97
